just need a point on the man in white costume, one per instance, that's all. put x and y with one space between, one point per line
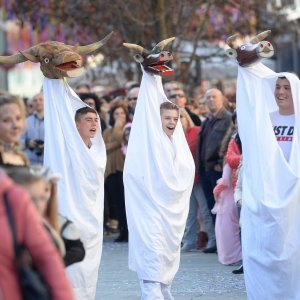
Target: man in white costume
158 179
80 191
268 103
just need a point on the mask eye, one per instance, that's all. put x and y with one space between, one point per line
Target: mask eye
243 47
46 60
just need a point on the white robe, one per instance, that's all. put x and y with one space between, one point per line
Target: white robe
80 192
158 179
271 189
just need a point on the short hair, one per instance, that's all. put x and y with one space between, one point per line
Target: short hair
282 77
83 111
168 106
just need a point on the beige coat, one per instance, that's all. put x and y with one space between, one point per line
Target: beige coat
115 159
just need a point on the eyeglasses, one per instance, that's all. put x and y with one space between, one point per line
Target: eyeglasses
132 98
177 95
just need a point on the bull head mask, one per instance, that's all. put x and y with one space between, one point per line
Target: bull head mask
57 60
252 52
154 61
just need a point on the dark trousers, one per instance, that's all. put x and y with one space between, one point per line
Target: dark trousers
208 181
114 191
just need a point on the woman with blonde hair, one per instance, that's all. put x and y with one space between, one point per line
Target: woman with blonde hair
12 124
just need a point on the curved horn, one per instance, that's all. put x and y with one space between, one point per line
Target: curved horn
135 47
161 45
260 37
13 59
231 39
92 47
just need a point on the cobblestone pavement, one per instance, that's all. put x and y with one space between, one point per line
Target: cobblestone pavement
200 276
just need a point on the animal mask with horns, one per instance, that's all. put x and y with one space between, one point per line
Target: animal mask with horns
154 61
252 52
57 60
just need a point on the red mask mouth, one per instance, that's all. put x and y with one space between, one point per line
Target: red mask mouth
161 69
69 66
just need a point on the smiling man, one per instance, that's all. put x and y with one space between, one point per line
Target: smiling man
87 123
169 114
283 119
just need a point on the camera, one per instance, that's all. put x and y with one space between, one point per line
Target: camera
39 148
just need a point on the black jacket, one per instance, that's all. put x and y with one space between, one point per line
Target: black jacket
210 139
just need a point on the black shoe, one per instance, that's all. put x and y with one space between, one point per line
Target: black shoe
121 239
210 250
239 270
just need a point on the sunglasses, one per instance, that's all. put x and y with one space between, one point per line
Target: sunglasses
177 95
132 98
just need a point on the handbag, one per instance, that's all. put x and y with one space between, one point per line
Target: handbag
32 285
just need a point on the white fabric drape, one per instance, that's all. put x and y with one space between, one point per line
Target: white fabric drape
158 179
80 192
271 189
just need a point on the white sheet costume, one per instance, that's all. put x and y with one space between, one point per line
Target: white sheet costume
80 192
158 179
271 189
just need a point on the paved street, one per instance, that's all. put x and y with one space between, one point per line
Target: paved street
200 277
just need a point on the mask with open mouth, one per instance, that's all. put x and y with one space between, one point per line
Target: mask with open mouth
57 60
154 61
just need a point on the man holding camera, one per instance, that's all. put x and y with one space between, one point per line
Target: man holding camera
34 136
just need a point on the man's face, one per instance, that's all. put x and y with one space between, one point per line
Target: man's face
283 96
178 97
87 125
38 101
203 108
169 119
30 107
214 100
170 87
132 97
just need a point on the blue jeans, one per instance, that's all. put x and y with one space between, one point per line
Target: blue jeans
198 200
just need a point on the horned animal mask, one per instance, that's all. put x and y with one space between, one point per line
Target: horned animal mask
154 61
57 59
252 52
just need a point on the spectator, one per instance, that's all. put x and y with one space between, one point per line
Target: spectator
12 123
114 188
197 199
172 86
227 225
94 102
132 97
179 98
33 137
33 236
30 106
46 206
83 87
41 185
210 162
203 109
